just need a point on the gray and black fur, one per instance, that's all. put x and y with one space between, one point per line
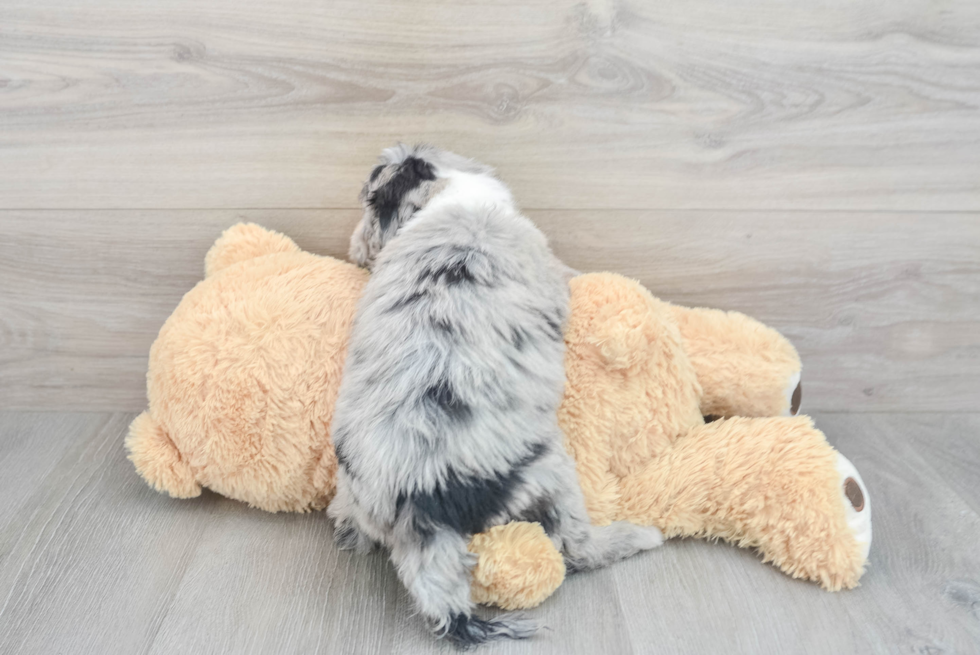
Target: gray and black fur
446 420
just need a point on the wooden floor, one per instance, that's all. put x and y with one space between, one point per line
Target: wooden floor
93 561
813 163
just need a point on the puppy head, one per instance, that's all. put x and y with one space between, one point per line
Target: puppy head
404 181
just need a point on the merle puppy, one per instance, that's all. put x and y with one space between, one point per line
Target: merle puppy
446 424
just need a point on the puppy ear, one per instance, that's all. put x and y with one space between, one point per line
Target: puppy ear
386 200
422 170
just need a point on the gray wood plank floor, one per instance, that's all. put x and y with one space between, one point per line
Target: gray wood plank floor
93 561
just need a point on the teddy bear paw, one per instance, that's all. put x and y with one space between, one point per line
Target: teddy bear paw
857 503
793 391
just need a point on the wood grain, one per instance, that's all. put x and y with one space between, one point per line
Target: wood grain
814 164
597 104
884 308
93 561
951 446
87 555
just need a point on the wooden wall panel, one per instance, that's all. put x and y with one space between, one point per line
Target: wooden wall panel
599 104
884 308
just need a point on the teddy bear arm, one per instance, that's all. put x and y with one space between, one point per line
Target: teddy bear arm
157 459
745 368
245 241
773 484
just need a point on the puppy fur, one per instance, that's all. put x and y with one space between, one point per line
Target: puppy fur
446 423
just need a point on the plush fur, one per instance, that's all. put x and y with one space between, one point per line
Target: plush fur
743 386
446 422
255 373
644 453
516 567
243 378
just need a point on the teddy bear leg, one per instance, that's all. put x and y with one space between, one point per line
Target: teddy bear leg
773 484
244 241
745 368
857 503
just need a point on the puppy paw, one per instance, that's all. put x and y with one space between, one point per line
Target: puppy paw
638 537
648 537
857 503
348 537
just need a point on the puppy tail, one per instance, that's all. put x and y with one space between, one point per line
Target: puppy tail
466 631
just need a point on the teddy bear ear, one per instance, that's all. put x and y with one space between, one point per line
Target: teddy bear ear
242 242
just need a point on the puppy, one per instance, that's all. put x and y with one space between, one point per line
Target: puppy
446 420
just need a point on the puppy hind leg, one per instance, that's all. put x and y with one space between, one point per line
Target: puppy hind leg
588 546
603 545
436 570
348 534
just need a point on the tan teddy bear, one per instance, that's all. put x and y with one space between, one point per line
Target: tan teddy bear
244 374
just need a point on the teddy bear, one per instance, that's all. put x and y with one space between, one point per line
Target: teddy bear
244 374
